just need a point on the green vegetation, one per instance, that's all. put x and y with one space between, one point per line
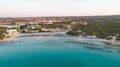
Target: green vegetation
55 25
38 28
1 36
100 29
118 38
2 31
73 32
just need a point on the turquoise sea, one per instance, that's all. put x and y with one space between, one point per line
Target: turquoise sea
58 52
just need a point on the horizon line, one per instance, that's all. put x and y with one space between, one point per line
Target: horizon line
56 16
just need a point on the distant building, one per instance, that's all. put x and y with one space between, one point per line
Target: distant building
33 26
83 23
11 32
50 22
50 29
10 26
54 30
68 27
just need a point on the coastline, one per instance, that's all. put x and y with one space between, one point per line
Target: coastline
109 42
13 38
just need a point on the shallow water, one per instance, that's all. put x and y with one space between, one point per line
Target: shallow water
57 52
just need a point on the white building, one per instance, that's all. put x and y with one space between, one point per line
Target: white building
12 32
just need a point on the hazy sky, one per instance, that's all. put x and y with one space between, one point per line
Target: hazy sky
19 8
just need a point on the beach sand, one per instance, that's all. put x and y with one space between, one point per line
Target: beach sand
13 38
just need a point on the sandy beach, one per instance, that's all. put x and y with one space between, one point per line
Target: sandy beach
13 38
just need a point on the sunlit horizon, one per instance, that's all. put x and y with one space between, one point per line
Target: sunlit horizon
44 8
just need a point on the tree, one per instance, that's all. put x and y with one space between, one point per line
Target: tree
100 29
2 36
2 31
118 38
73 32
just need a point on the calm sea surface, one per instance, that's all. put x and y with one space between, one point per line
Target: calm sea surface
58 52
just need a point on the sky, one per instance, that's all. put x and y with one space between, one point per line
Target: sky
35 8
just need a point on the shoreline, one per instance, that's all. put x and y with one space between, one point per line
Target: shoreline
11 38
14 38
109 42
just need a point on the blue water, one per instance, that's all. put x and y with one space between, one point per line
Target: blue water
58 52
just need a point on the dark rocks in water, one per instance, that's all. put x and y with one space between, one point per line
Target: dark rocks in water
107 43
118 51
11 41
80 46
108 46
118 48
75 42
8 43
110 51
93 48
